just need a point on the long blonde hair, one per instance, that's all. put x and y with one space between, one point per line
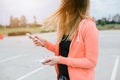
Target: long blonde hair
68 16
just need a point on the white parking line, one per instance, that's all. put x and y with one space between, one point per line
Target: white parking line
7 59
114 72
23 77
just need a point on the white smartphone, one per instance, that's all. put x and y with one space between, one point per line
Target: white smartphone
42 61
30 35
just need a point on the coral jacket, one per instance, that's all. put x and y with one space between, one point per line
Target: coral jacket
83 52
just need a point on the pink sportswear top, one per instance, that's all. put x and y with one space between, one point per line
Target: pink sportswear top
83 52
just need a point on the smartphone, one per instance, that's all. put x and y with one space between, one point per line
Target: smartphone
30 35
42 61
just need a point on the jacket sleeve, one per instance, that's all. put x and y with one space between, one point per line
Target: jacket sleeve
51 47
91 49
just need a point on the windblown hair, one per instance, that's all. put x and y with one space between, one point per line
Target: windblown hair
68 16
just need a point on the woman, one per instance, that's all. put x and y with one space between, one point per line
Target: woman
76 49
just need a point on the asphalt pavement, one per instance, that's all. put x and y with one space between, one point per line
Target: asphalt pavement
19 58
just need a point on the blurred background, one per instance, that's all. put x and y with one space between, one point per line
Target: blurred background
15 14
19 57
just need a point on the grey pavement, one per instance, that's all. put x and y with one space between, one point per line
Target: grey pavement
19 58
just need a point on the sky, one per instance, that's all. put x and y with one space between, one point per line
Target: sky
43 8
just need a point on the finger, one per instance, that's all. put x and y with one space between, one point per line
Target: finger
47 63
36 41
37 44
39 38
30 37
52 63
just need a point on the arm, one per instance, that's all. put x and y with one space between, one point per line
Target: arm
38 41
50 46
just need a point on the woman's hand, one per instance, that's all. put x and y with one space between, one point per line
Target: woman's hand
51 60
38 41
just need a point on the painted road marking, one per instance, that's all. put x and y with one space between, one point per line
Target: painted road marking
7 59
28 74
114 72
